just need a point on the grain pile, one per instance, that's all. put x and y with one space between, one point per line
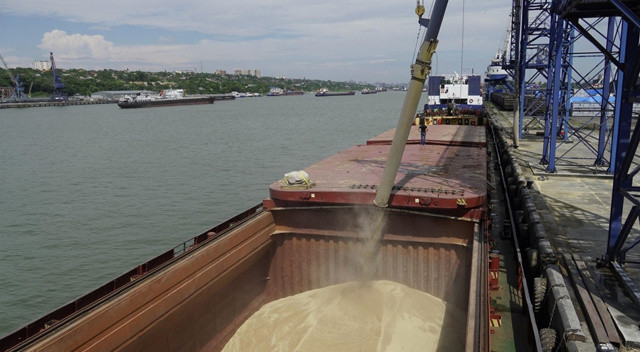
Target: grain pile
354 316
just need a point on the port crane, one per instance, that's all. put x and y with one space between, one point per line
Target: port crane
57 81
18 93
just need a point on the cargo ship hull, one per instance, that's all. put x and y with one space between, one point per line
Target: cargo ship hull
165 102
300 238
272 94
334 94
197 301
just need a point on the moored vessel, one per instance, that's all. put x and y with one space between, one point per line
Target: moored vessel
495 70
169 97
277 92
303 237
325 93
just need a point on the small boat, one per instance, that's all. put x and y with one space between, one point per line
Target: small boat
325 93
169 97
368 91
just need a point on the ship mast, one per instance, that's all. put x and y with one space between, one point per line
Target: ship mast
419 72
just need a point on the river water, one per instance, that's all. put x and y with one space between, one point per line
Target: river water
89 192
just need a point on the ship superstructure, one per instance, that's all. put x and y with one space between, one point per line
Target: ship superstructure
456 91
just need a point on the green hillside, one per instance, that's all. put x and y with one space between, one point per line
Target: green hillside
85 82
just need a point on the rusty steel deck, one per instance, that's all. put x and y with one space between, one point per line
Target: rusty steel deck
443 179
469 136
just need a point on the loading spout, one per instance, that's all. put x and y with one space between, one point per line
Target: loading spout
419 72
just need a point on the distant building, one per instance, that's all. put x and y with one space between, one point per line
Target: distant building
184 71
255 73
41 65
221 72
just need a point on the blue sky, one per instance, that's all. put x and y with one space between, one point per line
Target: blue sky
338 40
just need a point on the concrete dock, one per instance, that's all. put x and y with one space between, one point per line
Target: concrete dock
574 206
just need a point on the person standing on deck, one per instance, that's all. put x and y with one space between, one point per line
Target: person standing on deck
423 129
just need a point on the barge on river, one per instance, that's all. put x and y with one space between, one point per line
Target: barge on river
170 97
326 93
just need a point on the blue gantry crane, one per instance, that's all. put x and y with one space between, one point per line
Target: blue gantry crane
528 61
604 69
623 52
18 92
57 82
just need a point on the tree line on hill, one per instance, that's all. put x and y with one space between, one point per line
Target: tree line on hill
85 82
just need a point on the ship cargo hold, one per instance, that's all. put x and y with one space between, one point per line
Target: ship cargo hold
302 238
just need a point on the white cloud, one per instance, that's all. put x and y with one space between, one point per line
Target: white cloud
347 39
75 46
238 18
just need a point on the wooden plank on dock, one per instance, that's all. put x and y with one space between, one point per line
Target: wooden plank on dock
596 326
595 294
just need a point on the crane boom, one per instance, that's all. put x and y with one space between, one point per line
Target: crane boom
57 81
18 93
4 66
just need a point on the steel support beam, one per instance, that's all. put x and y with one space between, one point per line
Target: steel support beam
624 150
567 92
529 59
552 135
606 92
626 12
558 85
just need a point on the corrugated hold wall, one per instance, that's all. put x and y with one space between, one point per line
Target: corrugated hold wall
303 262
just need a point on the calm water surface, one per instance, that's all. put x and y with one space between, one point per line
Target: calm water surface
89 192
